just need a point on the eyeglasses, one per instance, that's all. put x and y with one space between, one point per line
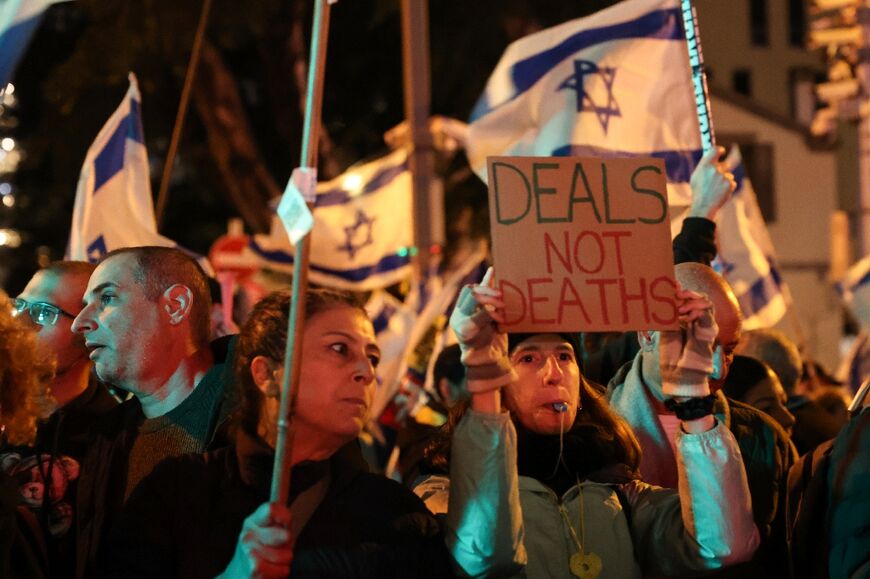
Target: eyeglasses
41 313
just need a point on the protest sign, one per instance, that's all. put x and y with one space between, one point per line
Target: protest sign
582 243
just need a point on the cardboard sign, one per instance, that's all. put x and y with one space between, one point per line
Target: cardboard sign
582 244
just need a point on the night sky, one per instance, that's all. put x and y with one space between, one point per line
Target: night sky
75 74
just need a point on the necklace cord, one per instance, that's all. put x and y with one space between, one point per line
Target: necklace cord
560 459
581 540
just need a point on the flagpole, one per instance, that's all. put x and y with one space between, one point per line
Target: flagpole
295 324
163 195
708 136
428 204
699 75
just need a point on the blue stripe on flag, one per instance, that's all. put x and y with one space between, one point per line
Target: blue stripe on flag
864 279
387 263
382 320
110 161
761 292
13 44
381 179
739 173
678 164
661 24
135 132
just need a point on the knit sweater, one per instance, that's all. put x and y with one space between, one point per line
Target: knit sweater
185 429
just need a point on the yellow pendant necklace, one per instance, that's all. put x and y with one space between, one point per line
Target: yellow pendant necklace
582 564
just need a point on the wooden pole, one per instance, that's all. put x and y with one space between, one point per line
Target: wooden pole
163 195
428 204
296 322
699 75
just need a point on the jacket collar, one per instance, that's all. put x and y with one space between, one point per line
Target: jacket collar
612 475
256 462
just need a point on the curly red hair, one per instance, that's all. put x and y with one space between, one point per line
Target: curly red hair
25 374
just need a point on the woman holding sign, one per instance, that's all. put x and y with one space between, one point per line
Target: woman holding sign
547 488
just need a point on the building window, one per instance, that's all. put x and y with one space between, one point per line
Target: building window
758 23
741 82
758 161
797 23
758 158
803 93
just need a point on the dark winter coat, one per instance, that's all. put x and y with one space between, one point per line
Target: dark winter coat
184 519
104 469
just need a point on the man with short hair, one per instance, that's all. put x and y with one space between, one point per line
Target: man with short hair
146 323
49 303
636 392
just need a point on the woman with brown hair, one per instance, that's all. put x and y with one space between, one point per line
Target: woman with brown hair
548 487
25 374
209 515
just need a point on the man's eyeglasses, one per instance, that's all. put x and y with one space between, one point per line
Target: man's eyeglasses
40 312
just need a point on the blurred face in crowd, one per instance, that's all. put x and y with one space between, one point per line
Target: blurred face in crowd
769 397
52 301
337 377
547 374
123 329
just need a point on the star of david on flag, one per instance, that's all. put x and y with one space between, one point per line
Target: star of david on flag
362 228
583 70
358 235
746 256
614 84
113 206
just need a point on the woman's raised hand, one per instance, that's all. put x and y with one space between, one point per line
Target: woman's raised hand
479 309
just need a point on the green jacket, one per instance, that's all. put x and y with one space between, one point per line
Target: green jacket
502 524
849 500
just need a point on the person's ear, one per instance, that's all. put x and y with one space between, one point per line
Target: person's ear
177 301
265 375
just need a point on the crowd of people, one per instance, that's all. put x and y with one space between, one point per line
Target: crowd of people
138 443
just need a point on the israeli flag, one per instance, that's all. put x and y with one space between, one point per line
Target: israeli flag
746 255
113 206
393 321
430 307
362 233
19 19
854 288
613 84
